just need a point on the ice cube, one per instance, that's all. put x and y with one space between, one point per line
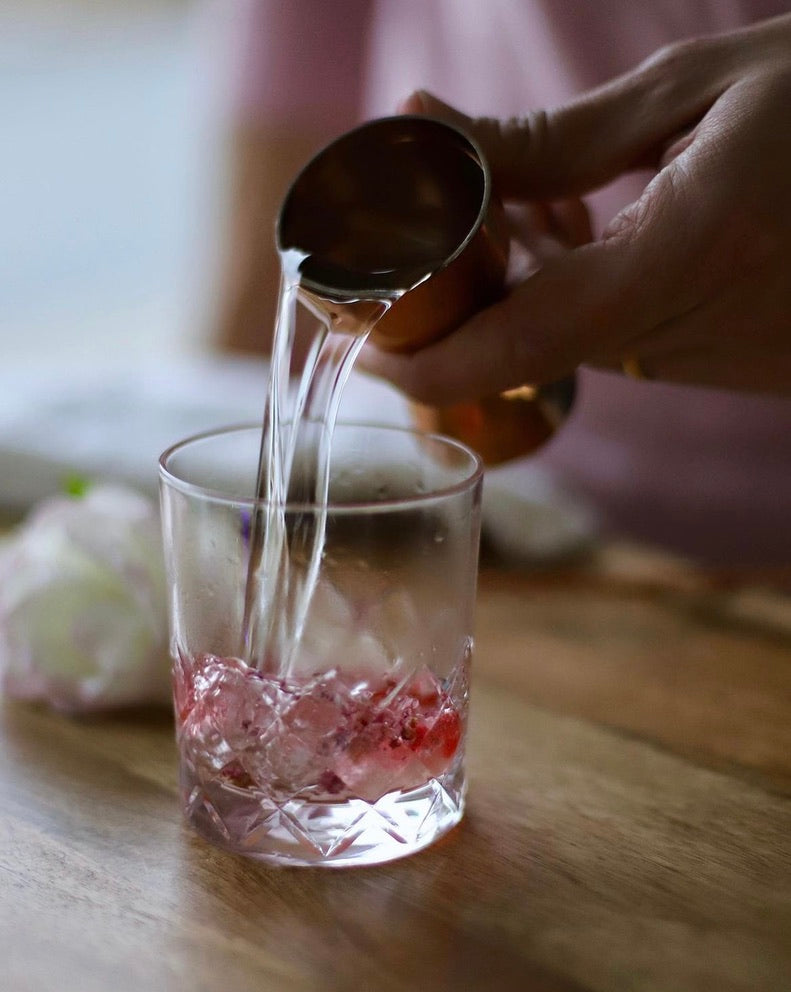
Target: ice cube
362 656
309 731
333 638
234 708
328 622
396 622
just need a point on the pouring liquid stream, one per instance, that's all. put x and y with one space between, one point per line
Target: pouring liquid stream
288 523
368 220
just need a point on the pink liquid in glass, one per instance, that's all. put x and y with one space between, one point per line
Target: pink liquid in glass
279 763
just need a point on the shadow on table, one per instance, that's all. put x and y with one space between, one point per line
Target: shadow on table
418 923
98 758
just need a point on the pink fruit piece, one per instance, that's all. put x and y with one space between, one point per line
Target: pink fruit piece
399 738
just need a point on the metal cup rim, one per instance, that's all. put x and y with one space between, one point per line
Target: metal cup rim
379 122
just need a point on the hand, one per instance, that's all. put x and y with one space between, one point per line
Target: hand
693 279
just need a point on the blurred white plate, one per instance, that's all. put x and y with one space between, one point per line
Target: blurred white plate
113 422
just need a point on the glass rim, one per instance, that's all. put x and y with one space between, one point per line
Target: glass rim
470 479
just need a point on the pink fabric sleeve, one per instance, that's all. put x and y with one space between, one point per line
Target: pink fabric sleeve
299 61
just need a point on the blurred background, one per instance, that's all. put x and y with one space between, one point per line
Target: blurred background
145 149
112 196
110 178
116 181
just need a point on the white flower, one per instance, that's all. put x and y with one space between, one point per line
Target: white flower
83 621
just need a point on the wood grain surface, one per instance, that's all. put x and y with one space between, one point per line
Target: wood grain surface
628 827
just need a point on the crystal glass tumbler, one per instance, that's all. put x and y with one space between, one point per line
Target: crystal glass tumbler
321 653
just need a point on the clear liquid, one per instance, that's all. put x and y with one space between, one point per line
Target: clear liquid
278 595
349 757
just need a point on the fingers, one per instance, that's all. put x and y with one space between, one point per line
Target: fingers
738 368
585 305
690 278
739 340
573 222
621 125
540 332
662 257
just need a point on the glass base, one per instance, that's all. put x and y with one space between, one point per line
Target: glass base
300 832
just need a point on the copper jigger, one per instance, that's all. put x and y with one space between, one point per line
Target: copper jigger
399 213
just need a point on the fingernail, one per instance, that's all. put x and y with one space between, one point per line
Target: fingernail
412 104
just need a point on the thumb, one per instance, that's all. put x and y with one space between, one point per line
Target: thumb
624 124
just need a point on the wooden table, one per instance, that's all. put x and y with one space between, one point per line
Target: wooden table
629 822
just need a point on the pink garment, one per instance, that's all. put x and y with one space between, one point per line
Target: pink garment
704 472
300 61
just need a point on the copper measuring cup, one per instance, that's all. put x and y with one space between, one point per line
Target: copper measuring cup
400 211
